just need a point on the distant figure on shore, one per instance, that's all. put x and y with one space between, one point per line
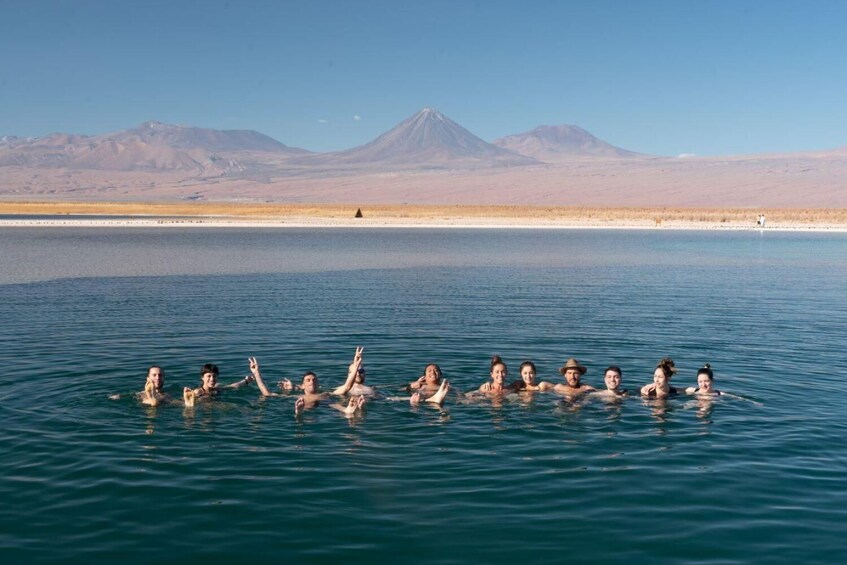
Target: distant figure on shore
527 382
661 387
573 387
705 380
761 220
613 376
210 389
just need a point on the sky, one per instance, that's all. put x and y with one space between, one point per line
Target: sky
715 77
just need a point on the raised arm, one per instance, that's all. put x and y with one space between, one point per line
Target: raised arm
351 373
257 376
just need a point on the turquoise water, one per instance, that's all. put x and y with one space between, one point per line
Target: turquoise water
754 478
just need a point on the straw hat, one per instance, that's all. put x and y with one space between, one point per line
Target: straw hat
572 364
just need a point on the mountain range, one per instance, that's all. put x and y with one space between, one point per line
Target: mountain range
426 159
426 140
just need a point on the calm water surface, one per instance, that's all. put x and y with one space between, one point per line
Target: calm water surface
759 477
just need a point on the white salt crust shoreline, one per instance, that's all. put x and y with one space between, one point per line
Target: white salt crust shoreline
405 223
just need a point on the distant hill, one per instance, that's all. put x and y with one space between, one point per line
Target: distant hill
556 143
149 147
430 139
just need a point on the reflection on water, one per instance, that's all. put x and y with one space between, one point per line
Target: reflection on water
655 480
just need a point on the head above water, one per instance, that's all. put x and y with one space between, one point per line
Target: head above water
705 376
156 375
613 376
498 370
528 372
310 383
572 371
432 374
667 366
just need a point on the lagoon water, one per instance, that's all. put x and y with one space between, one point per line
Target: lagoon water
758 477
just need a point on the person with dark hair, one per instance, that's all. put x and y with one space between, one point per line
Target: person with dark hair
573 386
153 393
497 384
429 381
527 382
355 383
705 380
209 388
613 376
312 394
661 387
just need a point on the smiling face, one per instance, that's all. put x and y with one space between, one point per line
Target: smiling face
528 375
612 379
498 374
360 376
704 383
210 380
659 378
572 377
310 384
156 376
432 375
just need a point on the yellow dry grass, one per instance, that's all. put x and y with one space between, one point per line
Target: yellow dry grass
830 216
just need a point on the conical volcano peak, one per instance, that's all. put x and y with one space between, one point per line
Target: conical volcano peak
431 137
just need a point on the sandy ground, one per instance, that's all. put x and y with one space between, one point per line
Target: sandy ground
206 215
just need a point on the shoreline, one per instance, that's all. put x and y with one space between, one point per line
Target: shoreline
152 222
240 214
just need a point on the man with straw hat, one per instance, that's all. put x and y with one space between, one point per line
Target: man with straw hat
572 371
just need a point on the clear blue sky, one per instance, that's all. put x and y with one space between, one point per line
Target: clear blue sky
662 77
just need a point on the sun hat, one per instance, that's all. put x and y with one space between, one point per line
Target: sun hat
572 364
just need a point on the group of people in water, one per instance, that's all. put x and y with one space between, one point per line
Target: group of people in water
431 387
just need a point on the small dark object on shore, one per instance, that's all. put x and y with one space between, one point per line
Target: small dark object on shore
359 213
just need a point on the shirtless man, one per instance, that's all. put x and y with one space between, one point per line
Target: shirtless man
153 393
210 389
355 383
612 377
572 371
312 394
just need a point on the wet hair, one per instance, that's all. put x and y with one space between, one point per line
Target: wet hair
307 373
151 367
529 364
437 369
614 368
209 368
667 366
706 370
497 361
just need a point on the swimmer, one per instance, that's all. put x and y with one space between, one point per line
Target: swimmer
210 388
612 376
355 383
527 382
705 378
153 393
497 384
429 381
312 394
437 399
661 387
572 371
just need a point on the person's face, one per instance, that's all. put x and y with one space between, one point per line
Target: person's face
704 383
360 376
498 374
210 380
612 379
432 375
572 377
659 378
156 376
310 384
528 375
